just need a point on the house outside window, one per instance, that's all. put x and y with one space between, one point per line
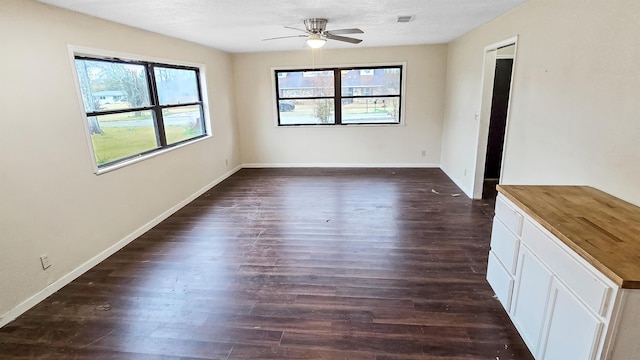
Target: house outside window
366 95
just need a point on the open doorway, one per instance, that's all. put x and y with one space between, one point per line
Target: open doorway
494 113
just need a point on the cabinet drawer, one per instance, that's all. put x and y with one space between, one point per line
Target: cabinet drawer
511 218
500 280
505 245
576 274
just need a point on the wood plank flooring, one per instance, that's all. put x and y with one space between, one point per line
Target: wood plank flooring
290 264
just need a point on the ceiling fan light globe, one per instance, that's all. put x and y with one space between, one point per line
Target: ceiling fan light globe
315 41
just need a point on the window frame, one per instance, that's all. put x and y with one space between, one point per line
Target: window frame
337 97
154 106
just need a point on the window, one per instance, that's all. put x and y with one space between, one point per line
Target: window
134 108
367 95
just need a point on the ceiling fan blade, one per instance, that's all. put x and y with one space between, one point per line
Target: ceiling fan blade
295 28
344 38
284 37
345 31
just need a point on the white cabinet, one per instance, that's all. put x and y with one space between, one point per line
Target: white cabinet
560 304
565 264
571 330
500 280
530 298
503 256
509 214
590 286
505 244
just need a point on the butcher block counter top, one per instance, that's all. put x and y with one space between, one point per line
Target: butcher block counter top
603 229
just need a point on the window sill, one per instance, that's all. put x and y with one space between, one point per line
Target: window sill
119 165
341 126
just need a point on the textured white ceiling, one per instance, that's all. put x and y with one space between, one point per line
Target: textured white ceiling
240 25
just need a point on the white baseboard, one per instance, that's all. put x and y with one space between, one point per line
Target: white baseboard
66 279
458 184
339 165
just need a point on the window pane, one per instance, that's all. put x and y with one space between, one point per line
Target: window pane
304 84
118 136
306 112
370 82
371 110
176 86
111 86
182 123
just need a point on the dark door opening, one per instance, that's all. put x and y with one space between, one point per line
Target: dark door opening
497 126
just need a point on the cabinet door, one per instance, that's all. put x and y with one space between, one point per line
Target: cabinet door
572 331
533 283
504 245
500 280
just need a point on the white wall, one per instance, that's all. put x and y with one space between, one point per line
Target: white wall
50 199
262 142
575 114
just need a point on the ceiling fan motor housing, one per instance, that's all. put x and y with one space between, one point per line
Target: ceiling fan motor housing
316 30
315 25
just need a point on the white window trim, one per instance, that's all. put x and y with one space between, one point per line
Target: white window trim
74 51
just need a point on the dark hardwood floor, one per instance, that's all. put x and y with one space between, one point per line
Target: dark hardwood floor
290 264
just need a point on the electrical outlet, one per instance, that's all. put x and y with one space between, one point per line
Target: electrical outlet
424 152
465 172
226 162
46 263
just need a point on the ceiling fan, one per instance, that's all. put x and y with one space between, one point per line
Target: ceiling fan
317 35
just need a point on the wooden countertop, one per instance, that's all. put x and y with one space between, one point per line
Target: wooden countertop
603 229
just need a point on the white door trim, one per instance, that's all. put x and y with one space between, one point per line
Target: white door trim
482 130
